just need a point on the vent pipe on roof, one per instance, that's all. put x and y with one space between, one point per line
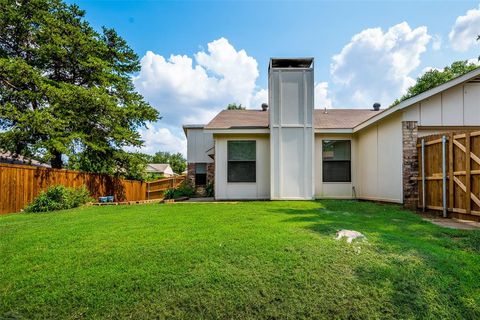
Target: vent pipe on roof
264 107
376 106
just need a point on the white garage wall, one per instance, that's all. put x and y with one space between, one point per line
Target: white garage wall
242 190
379 161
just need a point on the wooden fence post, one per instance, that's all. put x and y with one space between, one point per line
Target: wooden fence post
468 191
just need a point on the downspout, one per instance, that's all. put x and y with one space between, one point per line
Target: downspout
444 175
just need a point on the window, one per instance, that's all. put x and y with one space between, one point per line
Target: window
200 174
241 161
336 161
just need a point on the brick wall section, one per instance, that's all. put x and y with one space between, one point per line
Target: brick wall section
410 163
211 172
210 176
191 173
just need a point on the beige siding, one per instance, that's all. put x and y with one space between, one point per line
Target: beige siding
199 145
242 190
379 161
334 190
456 107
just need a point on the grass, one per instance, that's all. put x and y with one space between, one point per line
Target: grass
244 260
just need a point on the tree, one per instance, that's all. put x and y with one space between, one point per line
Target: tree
234 106
65 89
433 78
176 160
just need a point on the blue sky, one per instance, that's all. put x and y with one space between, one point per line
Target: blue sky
365 51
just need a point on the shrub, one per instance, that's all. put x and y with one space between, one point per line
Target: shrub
210 190
58 198
185 189
169 193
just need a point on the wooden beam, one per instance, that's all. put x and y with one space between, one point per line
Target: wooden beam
460 184
459 145
462 173
468 187
428 143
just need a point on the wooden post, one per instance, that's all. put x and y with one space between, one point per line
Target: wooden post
451 190
423 176
444 175
468 191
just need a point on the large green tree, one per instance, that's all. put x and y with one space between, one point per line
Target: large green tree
66 89
434 77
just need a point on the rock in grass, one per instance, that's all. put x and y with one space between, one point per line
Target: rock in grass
349 234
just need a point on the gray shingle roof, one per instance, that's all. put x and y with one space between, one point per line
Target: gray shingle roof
332 119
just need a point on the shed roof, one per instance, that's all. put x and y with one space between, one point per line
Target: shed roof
252 119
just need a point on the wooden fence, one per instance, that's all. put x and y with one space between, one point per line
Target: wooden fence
20 184
449 173
155 189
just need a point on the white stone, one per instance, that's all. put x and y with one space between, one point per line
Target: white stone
349 234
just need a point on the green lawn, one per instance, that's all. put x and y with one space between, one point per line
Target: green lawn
244 260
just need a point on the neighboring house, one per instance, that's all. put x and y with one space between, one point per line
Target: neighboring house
162 169
292 151
7 157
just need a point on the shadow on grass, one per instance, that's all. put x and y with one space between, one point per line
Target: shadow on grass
428 268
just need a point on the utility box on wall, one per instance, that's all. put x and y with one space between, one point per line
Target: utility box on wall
291 91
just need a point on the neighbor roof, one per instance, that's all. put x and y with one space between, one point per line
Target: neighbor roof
8 157
257 119
157 167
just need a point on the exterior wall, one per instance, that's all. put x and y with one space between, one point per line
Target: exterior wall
334 190
458 106
168 172
379 161
199 145
410 163
291 133
242 190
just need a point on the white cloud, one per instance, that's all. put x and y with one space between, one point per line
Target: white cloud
189 90
465 30
375 66
322 99
474 61
161 139
261 96
436 42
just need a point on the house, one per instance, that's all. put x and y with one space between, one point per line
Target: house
162 169
8 157
293 151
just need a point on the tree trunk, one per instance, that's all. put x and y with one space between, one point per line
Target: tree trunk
56 162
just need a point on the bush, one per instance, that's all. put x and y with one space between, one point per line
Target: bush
210 190
59 198
169 194
185 189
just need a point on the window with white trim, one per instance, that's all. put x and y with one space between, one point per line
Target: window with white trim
241 157
336 157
